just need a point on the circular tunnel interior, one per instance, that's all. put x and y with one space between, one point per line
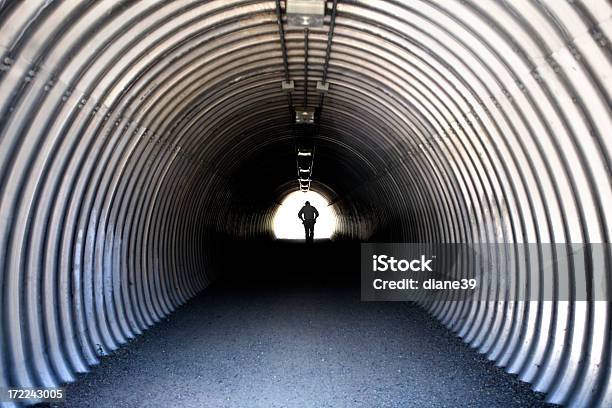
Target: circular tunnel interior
137 136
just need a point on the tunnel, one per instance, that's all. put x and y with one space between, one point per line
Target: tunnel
140 139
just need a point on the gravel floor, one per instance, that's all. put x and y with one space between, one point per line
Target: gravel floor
297 342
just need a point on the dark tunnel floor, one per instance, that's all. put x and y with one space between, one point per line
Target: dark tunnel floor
272 340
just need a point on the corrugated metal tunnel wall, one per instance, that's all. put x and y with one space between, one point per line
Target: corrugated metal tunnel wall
135 135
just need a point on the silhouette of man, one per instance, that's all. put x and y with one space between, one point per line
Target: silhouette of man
308 214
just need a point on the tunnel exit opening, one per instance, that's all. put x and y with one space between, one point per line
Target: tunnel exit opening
287 225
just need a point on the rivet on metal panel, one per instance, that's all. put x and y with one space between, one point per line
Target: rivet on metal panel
575 52
7 63
598 36
553 63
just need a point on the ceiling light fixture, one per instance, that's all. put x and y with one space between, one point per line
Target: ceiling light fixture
305 13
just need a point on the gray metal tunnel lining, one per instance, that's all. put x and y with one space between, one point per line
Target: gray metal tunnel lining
410 161
471 173
549 169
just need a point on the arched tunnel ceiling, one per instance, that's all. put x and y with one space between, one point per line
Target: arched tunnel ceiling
133 135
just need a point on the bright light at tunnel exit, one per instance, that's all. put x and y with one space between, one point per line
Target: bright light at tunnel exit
287 225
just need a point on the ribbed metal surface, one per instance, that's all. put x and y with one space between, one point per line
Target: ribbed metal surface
129 135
